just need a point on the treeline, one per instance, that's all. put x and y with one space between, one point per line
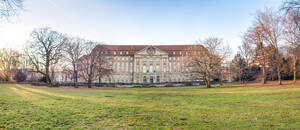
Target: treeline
270 51
271 46
49 54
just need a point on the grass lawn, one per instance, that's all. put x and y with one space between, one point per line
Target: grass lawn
24 106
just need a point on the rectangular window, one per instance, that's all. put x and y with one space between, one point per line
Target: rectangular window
144 68
157 68
121 52
126 67
122 66
126 52
115 52
137 68
119 66
174 52
130 67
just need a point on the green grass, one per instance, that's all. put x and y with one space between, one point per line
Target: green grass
24 106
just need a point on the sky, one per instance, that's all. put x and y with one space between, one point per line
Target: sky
135 22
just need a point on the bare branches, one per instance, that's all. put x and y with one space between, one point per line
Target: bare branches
9 60
10 7
271 30
291 6
292 38
247 52
44 50
206 58
73 49
92 64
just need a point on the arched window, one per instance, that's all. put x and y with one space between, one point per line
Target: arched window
144 68
151 68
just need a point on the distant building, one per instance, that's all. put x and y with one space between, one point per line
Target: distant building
146 64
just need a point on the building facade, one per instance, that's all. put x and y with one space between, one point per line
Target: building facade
146 64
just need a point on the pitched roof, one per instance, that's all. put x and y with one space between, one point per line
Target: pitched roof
132 49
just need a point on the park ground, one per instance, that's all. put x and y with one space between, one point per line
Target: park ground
230 107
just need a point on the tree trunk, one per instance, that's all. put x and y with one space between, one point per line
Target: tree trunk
263 80
90 83
90 76
295 69
207 82
75 76
76 79
279 75
221 80
48 80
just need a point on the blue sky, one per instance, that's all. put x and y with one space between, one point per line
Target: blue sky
150 22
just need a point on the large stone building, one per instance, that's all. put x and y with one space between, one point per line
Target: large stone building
146 64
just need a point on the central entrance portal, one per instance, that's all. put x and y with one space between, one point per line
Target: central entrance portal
151 79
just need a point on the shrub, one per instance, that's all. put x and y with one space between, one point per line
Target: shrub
43 79
169 84
20 76
54 85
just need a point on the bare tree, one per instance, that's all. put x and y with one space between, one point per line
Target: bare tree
9 61
10 7
254 36
292 38
291 6
247 52
92 64
44 50
206 58
73 49
238 66
270 23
